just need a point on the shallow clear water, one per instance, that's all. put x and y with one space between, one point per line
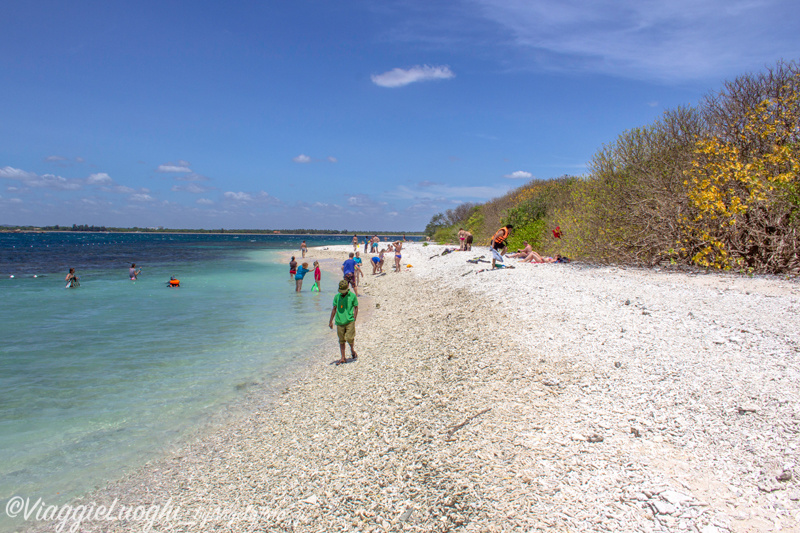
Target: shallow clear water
98 379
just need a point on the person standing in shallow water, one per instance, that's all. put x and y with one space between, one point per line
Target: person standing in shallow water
133 272
292 268
317 276
345 312
72 279
302 270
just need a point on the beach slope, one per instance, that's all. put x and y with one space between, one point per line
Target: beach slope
547 397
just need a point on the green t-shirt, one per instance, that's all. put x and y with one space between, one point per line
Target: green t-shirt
344 304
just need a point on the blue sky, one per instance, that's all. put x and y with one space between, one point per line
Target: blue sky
340 115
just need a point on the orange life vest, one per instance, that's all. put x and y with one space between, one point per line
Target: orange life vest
174 282
501 235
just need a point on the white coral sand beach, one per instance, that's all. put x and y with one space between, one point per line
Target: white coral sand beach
547 397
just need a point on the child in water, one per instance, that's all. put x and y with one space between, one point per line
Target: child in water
317 277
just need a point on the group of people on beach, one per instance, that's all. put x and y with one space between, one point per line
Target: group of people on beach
345 302
299 272
499 247
352 268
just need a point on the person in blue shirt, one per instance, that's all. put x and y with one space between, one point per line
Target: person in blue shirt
349 271
302 270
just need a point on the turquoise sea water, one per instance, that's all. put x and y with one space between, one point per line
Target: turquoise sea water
99 379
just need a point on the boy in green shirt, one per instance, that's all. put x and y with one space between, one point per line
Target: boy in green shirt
345 310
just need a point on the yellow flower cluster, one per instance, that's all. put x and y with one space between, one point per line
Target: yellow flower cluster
730 178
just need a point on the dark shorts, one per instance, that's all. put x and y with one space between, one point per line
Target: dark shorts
469 240
499 245
350 278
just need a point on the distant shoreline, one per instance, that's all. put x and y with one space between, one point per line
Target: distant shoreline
231 232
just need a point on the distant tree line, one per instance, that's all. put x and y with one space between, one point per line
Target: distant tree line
85 227
714 186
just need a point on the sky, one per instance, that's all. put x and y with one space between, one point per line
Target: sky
347 115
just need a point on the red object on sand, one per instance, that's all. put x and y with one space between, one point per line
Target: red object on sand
557 232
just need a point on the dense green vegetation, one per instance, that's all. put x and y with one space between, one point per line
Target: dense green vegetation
715 186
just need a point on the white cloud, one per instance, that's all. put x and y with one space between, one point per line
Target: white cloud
45 181
15 174
238 196
141 197
519 175
98 178
191 187
118 189
400 77
440 192
191 177
54 158
302 158
332 159
205 201
650 39
180 166
360 200
15 201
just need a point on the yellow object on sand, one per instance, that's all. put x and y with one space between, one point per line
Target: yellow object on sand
408 266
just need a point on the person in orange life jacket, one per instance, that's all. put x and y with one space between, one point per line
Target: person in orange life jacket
499 245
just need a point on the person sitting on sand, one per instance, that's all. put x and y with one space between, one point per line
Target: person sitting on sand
525 252
533 257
